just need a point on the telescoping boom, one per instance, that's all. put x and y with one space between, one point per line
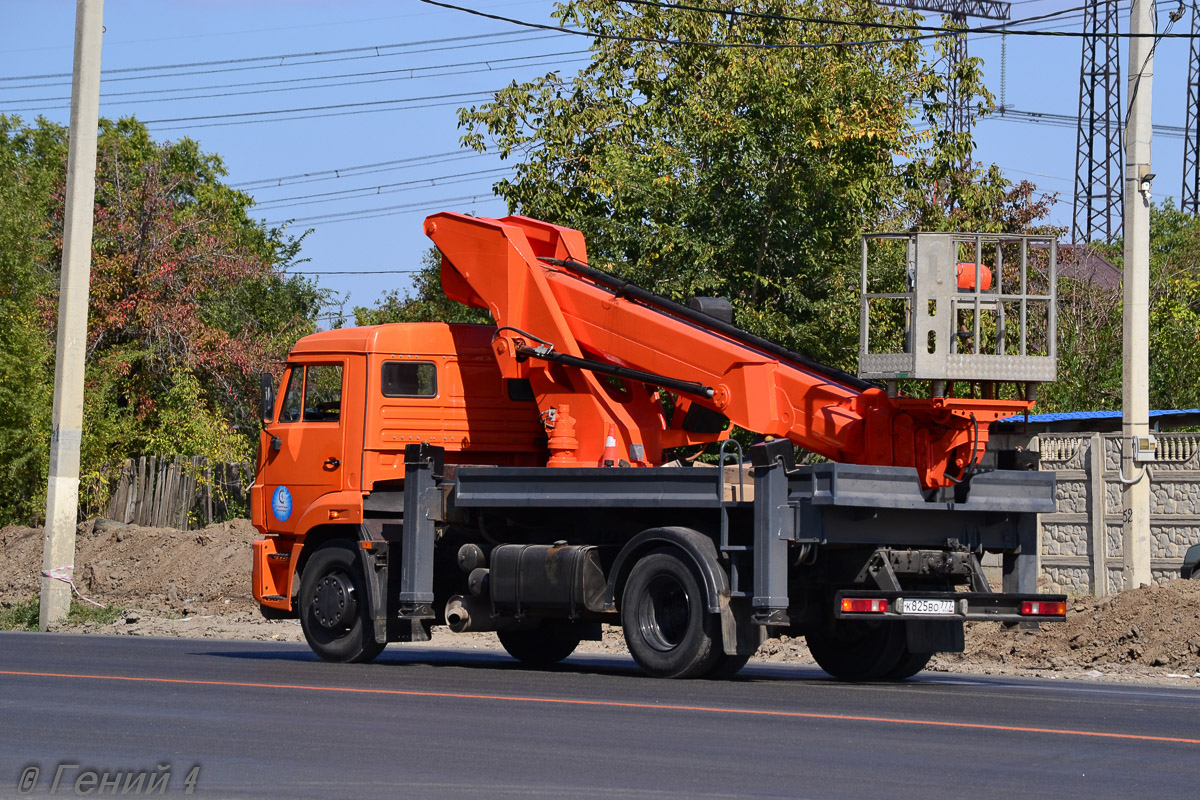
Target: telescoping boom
554 310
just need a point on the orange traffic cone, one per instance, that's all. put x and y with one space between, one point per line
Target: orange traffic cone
610 447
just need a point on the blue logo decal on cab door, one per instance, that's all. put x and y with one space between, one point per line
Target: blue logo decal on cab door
281 504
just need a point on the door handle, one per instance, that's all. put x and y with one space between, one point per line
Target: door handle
332 463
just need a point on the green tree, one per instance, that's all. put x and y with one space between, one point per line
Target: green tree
1090 325
747 167
189 300
29 158
424 301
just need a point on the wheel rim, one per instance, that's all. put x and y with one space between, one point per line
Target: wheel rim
664 613
334 602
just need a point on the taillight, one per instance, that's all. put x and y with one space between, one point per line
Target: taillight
1043 608
864 605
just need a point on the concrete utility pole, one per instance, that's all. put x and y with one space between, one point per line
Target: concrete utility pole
1135 496
62 495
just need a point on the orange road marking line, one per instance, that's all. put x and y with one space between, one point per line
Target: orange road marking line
617 704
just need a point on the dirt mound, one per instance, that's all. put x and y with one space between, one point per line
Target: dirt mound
1154 626
160 570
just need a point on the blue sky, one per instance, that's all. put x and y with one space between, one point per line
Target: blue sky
365 142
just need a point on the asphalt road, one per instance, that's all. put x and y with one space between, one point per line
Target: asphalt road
269 720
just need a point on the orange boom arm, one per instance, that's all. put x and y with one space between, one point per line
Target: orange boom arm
595 349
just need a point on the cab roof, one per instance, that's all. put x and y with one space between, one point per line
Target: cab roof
410 338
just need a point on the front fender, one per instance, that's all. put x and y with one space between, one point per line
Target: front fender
335 508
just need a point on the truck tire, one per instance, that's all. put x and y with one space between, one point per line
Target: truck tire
333 606
669 632
727 666
860 651
910 664
549 643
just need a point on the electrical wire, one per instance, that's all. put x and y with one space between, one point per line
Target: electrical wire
279 57
339 172
1067 121
848 23
295 63
678 42
375 191
487 66
939 32
356 272
335 106
197 126
385 211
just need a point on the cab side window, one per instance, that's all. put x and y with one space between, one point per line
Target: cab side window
292 397
323 393
409 379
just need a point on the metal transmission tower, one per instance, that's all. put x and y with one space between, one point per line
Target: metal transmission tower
1098 162
958 105
1189 198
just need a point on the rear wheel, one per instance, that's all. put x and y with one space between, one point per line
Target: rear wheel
669 632
909 664
548 643
860 651
334 607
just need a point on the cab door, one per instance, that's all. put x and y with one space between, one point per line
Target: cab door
306 443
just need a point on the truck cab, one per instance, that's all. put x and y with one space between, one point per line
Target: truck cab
350 401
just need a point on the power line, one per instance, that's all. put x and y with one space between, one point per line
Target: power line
335 106
344 171
196 126
385 211
1005 28
517 37
395 73
1075 16
376 48
1068 121
357 272
391 188
846 23
678 42
937 31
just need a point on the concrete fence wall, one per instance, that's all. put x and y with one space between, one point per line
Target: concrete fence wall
1081 543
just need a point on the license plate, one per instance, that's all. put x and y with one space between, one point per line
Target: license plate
927 606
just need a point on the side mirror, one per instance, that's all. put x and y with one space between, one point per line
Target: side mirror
266 397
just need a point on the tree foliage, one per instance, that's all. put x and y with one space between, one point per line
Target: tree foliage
747 166
189 300
745 172
1090 325
423 302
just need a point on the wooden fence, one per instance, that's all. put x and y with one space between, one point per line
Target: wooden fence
179 492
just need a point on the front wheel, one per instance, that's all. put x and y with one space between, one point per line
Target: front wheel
669 632
334 606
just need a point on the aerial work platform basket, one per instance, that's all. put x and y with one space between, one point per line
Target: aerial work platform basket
971 307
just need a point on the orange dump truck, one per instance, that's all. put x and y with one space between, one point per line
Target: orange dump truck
514 477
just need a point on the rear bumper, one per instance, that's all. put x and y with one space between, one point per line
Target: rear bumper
994 607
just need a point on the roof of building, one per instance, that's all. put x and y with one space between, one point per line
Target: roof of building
1081 262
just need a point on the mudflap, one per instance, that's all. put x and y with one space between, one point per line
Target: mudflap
935 636
385 604
740 634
